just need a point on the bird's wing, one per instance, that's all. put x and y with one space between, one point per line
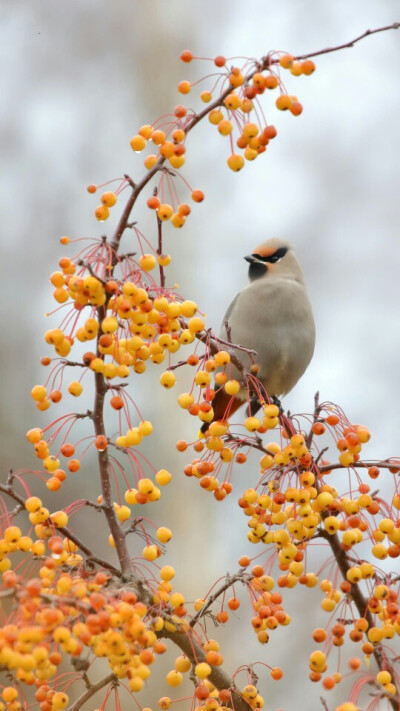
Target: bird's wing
228 312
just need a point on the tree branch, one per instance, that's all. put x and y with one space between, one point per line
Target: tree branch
367 33
93 689
229 581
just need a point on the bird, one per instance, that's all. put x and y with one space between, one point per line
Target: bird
273 316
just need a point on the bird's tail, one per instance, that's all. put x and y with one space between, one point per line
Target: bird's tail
224 406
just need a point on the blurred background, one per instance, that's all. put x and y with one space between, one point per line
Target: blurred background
78 81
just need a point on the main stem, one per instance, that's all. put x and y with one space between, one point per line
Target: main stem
105 479
357 596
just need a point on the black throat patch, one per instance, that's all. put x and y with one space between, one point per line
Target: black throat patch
257 270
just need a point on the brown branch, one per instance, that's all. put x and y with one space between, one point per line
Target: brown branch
7 489
186 641
229 581
264 64
88 552
356 594
213 345
367 33
317 410
92 689
359 465
159 251
105 479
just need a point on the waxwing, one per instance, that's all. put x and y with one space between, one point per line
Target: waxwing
273 317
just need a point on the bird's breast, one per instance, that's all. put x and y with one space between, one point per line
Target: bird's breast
275 319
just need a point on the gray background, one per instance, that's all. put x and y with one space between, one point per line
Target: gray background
78 80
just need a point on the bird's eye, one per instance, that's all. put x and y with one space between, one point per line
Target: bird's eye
275 259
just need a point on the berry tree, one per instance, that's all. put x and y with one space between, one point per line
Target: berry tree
64 602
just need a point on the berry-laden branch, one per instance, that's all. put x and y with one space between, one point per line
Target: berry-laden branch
72 603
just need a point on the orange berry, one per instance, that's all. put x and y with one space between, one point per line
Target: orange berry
67 450
308 67
178 135
184 209
286 61
271 81
235 162
222 616
117 402
236 78
184 87
354 663
177 220
332 420
219 61
158 137
232 101
108 198
318 428
319 635
180 111
276 673
244 561
101 213
138 143
101 443
146 131
150 161
233 603
283 102
296 108
153 203
197 195
186 56
225 127
91 188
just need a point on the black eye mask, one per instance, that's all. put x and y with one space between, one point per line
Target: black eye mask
272 258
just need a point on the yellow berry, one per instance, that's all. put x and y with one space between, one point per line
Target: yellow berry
108 198
174 678
235 162
163 477
202 670
164 212
138 143
38 393
167 379
147 262
102 213
164 534
75 388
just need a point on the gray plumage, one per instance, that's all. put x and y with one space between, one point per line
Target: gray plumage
273 316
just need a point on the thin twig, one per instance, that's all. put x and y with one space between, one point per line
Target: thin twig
93 689
367 33
159 251
229 581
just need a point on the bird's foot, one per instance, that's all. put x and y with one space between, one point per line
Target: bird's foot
275 400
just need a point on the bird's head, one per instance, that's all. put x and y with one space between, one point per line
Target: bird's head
273 258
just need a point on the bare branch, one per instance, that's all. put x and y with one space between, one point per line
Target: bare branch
367 33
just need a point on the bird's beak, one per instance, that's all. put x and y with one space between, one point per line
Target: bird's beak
249 258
